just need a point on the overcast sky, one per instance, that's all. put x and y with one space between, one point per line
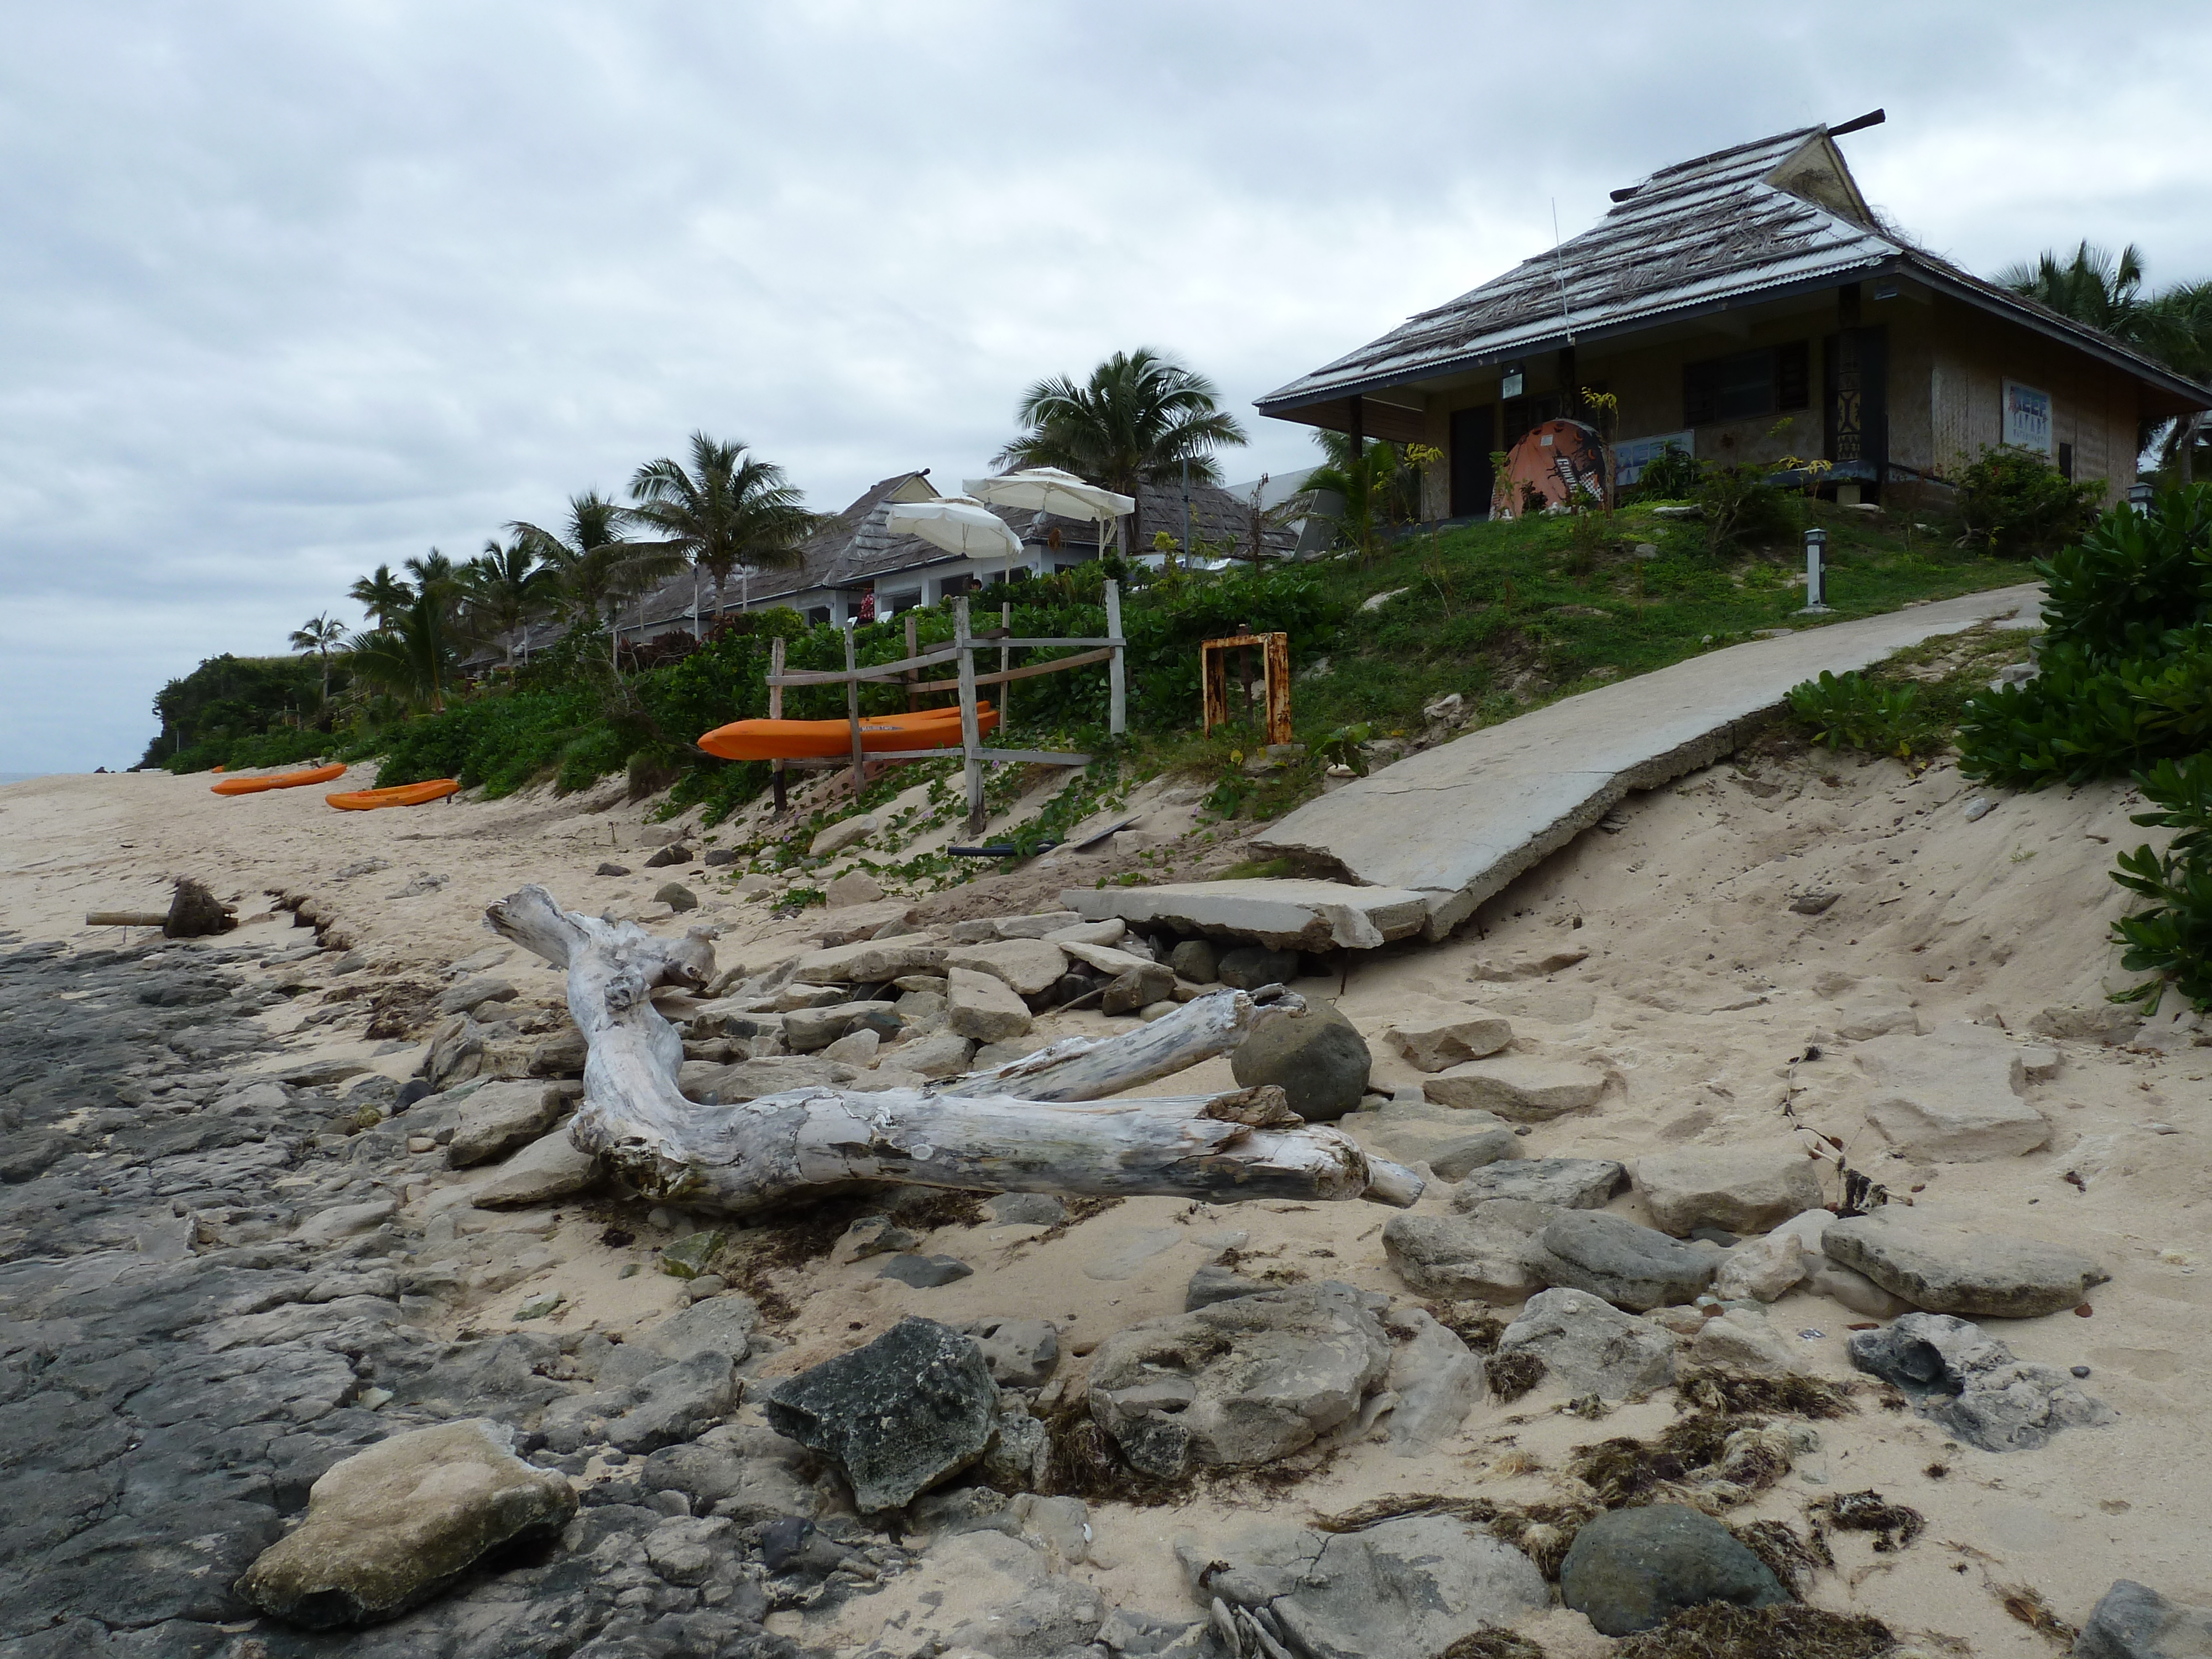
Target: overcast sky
289 289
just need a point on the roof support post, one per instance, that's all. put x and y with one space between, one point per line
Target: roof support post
1355 418
1117 691
971 737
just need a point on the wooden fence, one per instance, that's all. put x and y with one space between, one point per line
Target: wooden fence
962 651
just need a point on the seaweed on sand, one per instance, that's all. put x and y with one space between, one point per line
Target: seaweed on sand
1732 1394
1721 1630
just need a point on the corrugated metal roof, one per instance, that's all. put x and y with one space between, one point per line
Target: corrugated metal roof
1725 229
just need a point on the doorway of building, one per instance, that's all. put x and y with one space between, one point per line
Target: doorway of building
1474 436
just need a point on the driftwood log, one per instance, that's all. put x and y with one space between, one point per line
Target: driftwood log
1057 1133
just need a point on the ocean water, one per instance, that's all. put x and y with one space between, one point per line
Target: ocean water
21 777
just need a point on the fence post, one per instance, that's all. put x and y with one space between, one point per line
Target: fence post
853 713
775 711
1005 661
913 675
1117 719
971 737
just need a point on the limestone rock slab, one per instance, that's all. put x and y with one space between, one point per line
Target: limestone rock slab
1029 966
1956 1094
1452 1143
983 1007
1524 1087
1744 1189
391 1527
1631 1267
1281 913
1588 1346
1569 1183
1462 1258
1940 1267
869 962
551 1167
500 1116
1430 1042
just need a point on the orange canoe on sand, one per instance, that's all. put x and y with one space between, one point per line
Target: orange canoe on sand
403 794
282 780
760 740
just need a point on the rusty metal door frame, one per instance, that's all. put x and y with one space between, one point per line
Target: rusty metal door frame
1274 674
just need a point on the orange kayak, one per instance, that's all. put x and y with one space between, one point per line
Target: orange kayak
403 794
282 780
927 728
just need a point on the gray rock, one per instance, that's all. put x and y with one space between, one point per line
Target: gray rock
719 857
1956 1094
611 869
940 1054
1137 989
983 1007
1412 1586
1239 1383
550 1167
2133 1622
677 1402
846 832
676 896
1745 1189
809 1029
1526 1087
1028 1209
1961 1378
391 1527
500 1116
471 995
1942 1267
1212 1284
748 1475
1631 1267
1588 1346
1571 1183
676 853
720 1325
871 1235
1027 966
1437 1379
1318 1057
925 1273
1462 1258
1196 960
1630 1570
344 1220
1021 1353
913 1407
1248 967
1430 1042
1452 1143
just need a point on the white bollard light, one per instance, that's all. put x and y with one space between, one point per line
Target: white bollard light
1816 576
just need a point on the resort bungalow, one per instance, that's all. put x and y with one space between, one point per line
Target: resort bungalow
1726 297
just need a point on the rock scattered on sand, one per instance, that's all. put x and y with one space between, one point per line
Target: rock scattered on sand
984 1008
611 869
1021 1353
1248 967
1318 1058
1956 1095
855 887
1942 1267
1588 1346
913 1407
2133 1622
1197 960
1745 1189
869 962
1966 1380
471 995
1432 1043
807 1030
1417 1585
1524 1087
1740 1340
1028 1209
1239 1383
1027 966
1137 989
672 854
925 1273
1462 1258
1630 1570
677 896
391 1527
1451 1142
871 1235
1634 1268
1214 1283
1438 1379
550 1167
846 832
1571 1183
500 1117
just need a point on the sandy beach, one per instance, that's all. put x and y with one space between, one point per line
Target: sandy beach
1688 980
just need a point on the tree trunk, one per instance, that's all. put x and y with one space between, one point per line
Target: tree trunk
967 1134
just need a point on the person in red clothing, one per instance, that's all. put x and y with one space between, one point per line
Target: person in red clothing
866 613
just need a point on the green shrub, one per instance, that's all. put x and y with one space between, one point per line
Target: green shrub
1742 505
2134 576
2015 505
1669 476
1848 711
2170 937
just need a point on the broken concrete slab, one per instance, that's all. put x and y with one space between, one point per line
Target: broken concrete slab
1524 1087
1283 915
1943 1268
1956 1094
1459 821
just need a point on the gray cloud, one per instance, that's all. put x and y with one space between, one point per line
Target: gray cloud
286 291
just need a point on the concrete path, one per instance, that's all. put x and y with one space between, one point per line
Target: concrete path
1458 822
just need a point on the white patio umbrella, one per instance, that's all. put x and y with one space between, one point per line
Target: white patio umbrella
958 524
1048 489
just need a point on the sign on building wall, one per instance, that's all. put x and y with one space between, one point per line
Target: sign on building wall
2026 417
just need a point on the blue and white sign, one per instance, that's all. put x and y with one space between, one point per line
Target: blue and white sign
2026 417
1632 456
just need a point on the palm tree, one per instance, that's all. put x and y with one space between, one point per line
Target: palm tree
1370 486
383 595
2174 325
1139 419
596 567
412 659
731 509
504 588
319 635
2093 286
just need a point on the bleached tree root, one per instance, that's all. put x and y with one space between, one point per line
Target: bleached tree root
967 1133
